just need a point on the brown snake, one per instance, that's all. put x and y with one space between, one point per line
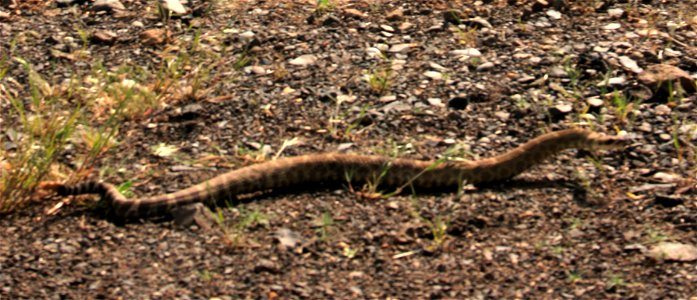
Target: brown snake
335 167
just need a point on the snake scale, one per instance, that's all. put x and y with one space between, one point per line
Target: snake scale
311 169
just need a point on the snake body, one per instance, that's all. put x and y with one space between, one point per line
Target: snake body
311 169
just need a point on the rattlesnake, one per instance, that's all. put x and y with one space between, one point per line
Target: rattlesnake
335 167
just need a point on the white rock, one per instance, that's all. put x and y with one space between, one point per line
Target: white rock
481 21
399 48
630 64
247 35
615 81
108 5
485 66
671 251
437 66
304 60
555 15
665 177
470 52
612 26
662 110
373 52
433 75
615 12
174 6
435 102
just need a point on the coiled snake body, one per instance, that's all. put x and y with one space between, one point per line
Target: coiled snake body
335 167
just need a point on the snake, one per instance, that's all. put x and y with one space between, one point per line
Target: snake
332 167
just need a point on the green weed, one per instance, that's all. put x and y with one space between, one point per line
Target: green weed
326 223
44 130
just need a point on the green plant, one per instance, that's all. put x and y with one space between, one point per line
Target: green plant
623 106
325 222
437 225
654 236
573 276
206 275
45 129
233 234
349 252
557 250
467 38
125 189
439 229
325 5
379 80
242 61
615 280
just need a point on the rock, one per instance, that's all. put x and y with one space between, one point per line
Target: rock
502 115
266 266
401 48
104 37
387 28
437 66
595 102
354 13
433 75
405 26
256 70
670 251
469 52
639 92
395 15
526 79
478 22
613 82
616 13
559 111
435 102
667 177
373 52
247 35
663 79
612 26
304 60
662 110
154 36
553 14
630 64
388 98
485 66
558 72
108 5
288 238
174 6
198 213
645 127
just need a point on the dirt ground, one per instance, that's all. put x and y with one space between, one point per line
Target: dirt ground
240 82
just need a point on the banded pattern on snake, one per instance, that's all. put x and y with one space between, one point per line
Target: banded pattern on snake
334 167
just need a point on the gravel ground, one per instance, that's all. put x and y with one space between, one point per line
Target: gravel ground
238 82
